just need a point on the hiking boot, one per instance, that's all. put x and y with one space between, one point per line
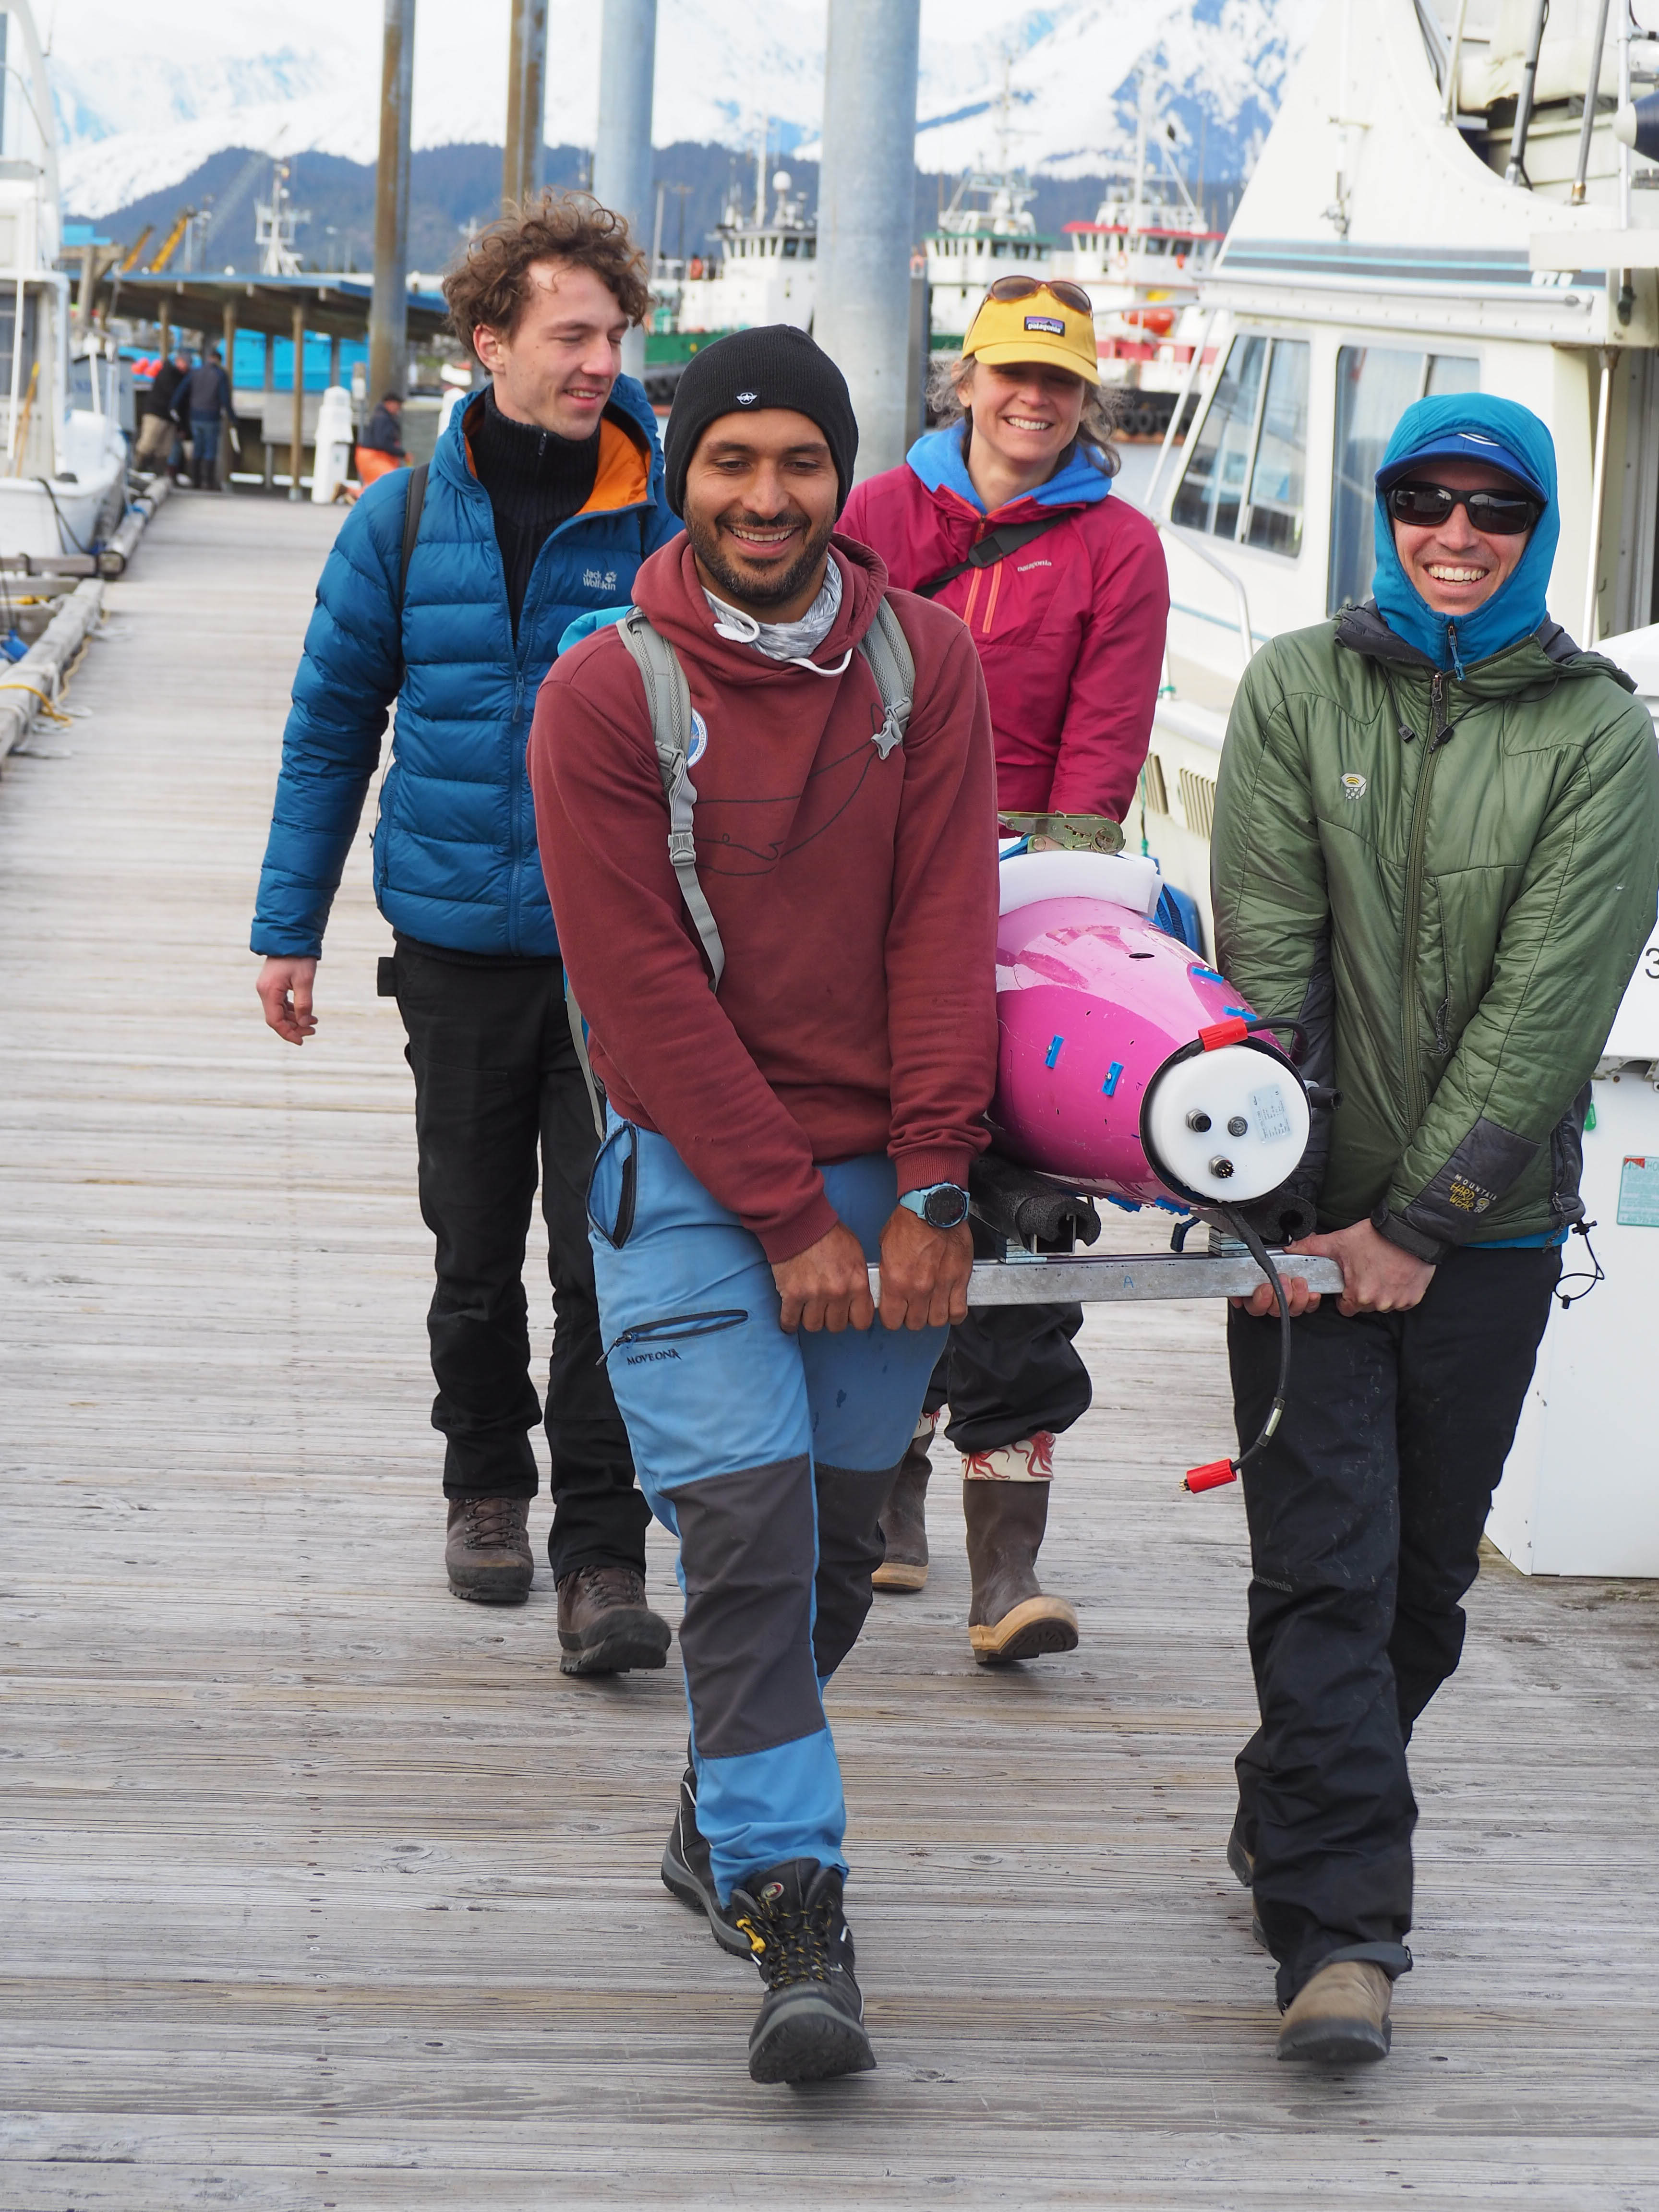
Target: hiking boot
487 1549
688 1875
1010 1617
605 1626
810 2024
1242 1864
904 1524
1341 2016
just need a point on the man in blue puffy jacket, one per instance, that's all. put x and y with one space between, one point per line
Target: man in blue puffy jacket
544 497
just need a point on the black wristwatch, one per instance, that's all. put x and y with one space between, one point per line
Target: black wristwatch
941 1205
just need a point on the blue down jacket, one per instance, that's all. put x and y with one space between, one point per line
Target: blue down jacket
455 857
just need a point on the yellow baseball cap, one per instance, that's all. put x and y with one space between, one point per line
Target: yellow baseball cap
1021 318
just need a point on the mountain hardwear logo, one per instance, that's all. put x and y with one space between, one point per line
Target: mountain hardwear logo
1353 786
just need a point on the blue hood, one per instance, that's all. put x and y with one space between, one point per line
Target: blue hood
1517 607
938 460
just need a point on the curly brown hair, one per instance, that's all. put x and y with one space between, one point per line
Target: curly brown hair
490 284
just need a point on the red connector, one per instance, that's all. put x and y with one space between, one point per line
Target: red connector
1212 1476
1220 1033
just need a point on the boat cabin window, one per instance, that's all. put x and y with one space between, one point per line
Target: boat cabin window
1375 385
1244 478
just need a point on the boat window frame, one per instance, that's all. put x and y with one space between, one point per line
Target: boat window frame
1237 538
1349 343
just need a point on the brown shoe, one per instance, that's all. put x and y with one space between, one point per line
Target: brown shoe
1010 1617
904 1524
606 1626
1340 2017
488 1551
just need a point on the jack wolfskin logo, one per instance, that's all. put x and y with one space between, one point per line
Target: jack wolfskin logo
599 579
1353 786
1468 1197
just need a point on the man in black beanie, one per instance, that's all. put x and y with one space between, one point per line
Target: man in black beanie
797 1037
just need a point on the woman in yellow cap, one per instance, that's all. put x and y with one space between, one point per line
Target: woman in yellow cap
1005 516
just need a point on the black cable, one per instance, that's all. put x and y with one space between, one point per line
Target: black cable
1579 1275
1214 1475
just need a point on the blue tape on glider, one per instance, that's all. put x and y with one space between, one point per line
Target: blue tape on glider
1052 1054
1113 1073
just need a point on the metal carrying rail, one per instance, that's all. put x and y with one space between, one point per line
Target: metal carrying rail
1067 1278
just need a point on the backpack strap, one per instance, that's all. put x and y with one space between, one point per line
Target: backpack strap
668 701
995 545
414 501
887 651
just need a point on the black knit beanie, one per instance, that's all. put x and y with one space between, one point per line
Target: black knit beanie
776 365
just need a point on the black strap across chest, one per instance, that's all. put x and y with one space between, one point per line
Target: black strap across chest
995 545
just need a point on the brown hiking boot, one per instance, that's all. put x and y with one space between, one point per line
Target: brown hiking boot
488 1551
904 1524
606 1626
1010 1617
1341 2016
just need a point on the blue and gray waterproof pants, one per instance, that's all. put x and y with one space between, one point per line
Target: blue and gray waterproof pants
771 1457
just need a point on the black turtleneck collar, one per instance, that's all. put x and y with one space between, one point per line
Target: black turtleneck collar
536 480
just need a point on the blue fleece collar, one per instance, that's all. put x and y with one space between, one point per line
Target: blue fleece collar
939 460
1519 606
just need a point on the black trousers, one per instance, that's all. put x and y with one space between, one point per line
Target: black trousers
496 1083
1008 1371
1365 1514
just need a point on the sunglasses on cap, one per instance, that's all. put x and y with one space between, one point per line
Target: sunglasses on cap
1493 514
1023 288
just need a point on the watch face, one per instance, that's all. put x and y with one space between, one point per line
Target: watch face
946 1208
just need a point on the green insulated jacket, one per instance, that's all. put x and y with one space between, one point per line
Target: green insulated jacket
1448 880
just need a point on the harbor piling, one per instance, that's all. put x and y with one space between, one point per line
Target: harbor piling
297 438
865 188
388 316
526 82
622 152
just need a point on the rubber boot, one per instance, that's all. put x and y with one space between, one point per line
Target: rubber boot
1010 1617
904 1524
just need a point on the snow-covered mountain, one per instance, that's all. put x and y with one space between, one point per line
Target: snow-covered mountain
145 94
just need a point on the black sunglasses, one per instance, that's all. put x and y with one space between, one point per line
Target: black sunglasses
1493 514
1022 287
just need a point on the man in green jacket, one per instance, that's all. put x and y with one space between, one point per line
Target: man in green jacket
1436 847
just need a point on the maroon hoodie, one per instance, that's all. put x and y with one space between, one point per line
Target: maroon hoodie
856 898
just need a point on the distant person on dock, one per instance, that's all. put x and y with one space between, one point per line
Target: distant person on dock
202 403
1004 516
1436 847
795 1023
158 433
380 448
540 502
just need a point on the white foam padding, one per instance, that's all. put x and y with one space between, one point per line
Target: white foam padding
1125 879
1232 1084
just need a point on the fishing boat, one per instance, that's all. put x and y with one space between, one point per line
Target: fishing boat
62 474
1141 261
987 231
1452 198
764 271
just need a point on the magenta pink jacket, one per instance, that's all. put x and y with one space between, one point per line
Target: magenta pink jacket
1070 629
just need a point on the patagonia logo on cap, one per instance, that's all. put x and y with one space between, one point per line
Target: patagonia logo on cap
747 399
1046 323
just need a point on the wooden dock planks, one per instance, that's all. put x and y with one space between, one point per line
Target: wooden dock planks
321 1889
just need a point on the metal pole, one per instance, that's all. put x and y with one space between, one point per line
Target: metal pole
1626 155
865 188
266 410
388 319
1516 173
229 344
622 152
1598 491
1592 93
526 94
297 438
1455 62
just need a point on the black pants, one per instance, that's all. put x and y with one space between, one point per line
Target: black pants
1365 1514
1009 1371
496 1080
